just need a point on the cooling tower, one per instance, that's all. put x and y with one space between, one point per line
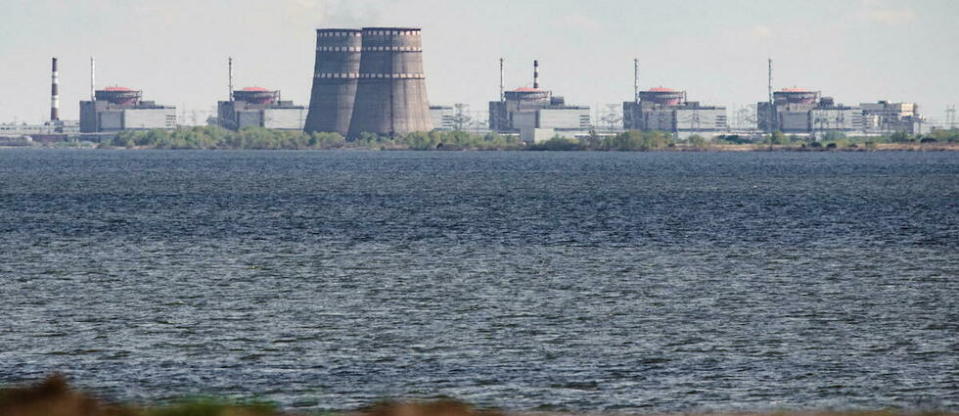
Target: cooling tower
335 75
391 92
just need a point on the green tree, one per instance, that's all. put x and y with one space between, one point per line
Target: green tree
777 137
697 141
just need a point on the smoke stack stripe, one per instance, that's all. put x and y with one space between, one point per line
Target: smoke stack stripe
535 74
54 93
391 89
335 76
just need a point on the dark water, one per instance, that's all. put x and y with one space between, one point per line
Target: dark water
642 282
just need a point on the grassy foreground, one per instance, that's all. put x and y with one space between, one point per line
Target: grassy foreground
54 397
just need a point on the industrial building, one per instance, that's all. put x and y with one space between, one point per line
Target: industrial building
668 110
259 107
443 117
884 117
806 112
369 81
120 108
536 114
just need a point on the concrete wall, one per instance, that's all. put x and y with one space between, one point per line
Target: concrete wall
841 119
525 120
701 119
88 117
250 118
284 118
110 120
565 118
794 121
663 119
149 118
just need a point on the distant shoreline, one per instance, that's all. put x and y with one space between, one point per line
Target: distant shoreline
680 148
215 138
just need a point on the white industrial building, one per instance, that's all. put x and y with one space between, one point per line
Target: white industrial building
119 108
665 109
535 113
260 107
804 112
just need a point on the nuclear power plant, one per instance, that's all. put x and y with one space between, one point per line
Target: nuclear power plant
536 114
259 107
369 81
666 109
121 108
807 112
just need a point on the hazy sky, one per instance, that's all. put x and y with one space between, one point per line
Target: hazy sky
176 50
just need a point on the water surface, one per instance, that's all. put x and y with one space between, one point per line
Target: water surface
644 282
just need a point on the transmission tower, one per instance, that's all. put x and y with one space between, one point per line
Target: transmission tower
951 116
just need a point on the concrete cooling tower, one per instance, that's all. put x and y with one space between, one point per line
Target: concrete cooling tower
391 90
335 76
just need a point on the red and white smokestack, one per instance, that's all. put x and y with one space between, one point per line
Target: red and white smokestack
54 93
535 74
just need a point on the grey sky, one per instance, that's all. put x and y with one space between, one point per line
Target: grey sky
175 50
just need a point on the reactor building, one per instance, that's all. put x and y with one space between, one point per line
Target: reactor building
259 107
369 81
807 112
121 108
536 114
668 110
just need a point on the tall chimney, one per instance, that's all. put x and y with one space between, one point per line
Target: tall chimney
93 71
230 86
502 96
54 93
535 74
635 80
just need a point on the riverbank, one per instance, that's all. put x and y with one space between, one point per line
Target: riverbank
214 138
55 397
752 147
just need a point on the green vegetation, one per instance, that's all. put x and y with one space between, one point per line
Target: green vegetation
777 137
218 138
265 139
454 140
55 397
632 140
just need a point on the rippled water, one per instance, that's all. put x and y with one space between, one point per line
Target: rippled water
618 281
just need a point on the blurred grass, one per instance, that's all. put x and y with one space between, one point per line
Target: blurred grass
54 397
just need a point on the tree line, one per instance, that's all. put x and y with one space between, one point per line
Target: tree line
212 137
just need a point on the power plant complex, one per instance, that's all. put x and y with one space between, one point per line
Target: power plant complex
119 108
372 81
259 107
116 108
668 110
536 114
802 111
369 81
